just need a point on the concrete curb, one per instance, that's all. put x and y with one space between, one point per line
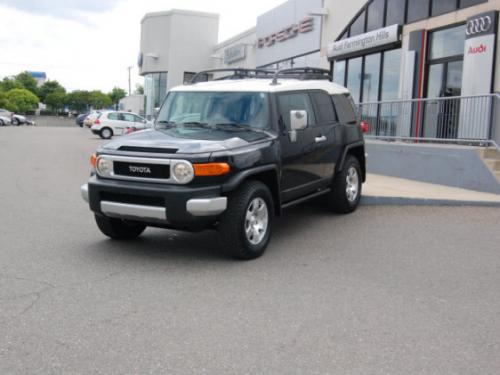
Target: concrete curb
403 201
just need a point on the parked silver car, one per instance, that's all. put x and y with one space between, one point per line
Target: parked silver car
4 121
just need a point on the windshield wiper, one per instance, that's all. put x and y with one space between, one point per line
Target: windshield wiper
167 124
238 127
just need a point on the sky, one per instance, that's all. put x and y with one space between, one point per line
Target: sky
88 44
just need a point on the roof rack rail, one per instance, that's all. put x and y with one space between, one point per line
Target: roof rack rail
238 73
303 73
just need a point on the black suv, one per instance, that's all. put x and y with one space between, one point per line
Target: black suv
230 154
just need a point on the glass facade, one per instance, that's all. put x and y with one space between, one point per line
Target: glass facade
155 89
447 42
380 13
370 78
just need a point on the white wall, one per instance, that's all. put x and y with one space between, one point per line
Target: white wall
182 40
249 39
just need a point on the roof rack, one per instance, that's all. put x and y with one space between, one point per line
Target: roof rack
238 73
303 73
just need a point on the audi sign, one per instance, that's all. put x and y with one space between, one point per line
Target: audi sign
479 25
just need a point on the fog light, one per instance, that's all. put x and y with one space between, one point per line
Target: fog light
103 166
183 172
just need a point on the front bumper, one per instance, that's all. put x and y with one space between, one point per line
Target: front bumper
173 206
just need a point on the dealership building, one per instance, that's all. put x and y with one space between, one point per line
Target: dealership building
417 68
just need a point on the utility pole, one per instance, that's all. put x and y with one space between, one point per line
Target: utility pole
129 82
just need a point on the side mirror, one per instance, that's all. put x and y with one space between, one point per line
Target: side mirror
298 121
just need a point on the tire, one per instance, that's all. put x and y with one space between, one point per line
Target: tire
346 188
118 229
2 123
250 208
15 122
106 133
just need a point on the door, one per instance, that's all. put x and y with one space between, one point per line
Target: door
442 116
302 166
128 121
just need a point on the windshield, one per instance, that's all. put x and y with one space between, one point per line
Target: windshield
250 109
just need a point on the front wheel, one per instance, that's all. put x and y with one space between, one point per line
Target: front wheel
106 133
245 228
15 122
346 188
118 229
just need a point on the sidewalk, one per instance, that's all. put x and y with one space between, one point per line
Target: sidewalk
383 190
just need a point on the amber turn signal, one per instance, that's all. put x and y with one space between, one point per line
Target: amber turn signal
93 160
211 169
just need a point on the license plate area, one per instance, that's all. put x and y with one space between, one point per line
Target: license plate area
141 170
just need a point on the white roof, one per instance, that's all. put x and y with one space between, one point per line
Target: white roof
264 85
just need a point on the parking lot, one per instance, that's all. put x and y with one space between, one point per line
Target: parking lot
387 290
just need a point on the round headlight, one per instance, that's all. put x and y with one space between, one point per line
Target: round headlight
183 172
102 166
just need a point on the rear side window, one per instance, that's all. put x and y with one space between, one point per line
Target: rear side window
346 109
325 113
113 116
128 117
295 102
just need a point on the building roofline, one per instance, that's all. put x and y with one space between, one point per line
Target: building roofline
235 38
166 13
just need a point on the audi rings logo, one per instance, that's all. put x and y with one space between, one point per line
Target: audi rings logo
479 25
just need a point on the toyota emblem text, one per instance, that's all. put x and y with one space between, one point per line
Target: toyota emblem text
134 169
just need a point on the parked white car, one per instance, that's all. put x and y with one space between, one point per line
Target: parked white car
112 123
4 121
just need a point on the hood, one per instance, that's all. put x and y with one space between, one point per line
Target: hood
186 142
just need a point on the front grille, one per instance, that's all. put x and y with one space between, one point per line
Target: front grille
132 199
141 170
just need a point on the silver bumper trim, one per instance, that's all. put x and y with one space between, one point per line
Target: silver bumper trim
206 207
133 211
84 190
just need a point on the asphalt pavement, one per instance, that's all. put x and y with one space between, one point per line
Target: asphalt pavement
386 290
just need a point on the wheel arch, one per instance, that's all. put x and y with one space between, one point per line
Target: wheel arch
267 174
358 151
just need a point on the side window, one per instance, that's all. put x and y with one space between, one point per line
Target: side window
138 119
113 116
325 113
128 117
295 102
346 109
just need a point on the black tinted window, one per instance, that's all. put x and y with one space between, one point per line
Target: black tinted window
325 113
295 102
345 108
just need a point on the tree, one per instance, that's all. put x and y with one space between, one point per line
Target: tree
99 100
116 94
79 100
4 102
22 100
25 80
8 84
56 100
49 87
139 89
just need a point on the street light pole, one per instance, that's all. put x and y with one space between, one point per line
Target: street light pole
129 81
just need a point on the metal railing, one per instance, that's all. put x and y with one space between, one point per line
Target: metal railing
459 119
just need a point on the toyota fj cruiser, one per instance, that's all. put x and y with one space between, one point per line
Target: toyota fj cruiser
230 154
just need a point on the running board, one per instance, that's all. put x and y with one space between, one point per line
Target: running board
305 199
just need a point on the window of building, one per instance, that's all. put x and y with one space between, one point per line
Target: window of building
375 15
354 78
358 26
443 6
469 3
371 78
396 12
295 102
391 75
324 108
188 76
339 72
447 42
418 10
